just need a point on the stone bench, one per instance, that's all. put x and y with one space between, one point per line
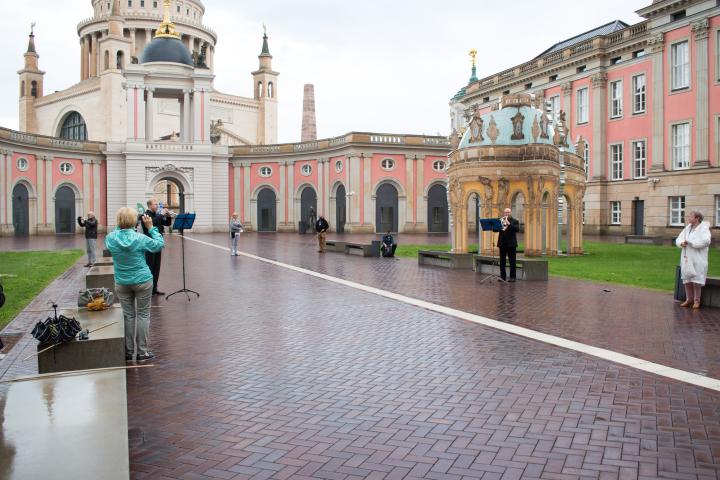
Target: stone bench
104 262
710 292
73 426
105 348
438 258
527 268
363 249
644 239
101 276
335 246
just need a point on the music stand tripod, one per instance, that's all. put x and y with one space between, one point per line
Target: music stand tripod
491 225
183 221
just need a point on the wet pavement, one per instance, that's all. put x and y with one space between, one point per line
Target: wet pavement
272 373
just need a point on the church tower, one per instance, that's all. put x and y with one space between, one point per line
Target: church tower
31 86
115 51
265 88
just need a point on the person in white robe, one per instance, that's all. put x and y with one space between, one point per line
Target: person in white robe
695 243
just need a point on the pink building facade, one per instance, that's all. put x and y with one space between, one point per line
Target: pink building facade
646 100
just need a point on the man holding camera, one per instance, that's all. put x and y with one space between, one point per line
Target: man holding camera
161 218
507 243
91 227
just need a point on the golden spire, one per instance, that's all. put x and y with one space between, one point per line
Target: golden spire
473 54
166 29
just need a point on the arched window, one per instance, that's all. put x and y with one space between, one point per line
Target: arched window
73 127
33 88
260 89
120 60
22 88
107 60
270 90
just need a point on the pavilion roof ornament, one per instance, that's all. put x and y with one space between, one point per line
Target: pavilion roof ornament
473 76
166 29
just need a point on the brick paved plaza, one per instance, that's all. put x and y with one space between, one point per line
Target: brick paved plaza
273 373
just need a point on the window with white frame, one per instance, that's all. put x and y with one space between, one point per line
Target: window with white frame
387 164
555 107
677 211
615 213
306 169
616 99
616 161
338 166
66 168
582 105
639 98
586 159
639 148
438 166
22 164
265 171
681 146
680 65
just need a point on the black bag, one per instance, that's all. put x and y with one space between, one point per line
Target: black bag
54 330
2 295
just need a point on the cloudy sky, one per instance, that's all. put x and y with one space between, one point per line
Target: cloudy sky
381 66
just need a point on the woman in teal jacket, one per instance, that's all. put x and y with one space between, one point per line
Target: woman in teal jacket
133 279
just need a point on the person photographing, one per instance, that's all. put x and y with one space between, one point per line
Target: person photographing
507 243
161 218
321 227
90 224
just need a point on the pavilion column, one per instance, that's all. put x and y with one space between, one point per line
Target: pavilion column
133 38
83 54
93 56
409 189
211 57
354 165
321 187
246 192
656 44
290 195
236 170
186 136
136 112
4 188
150 115
96 190
49 199
368 217
420 201
282 197
599 125
40 164
702 130
87 165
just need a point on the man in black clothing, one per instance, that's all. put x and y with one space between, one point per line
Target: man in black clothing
321 227
507 242
161 218
91 227
388 246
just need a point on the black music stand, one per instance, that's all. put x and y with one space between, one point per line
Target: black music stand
182 222
491 225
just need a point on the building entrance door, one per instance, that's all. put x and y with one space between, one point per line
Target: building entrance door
386 215
266 206
340 203
437 209
64 210
638 217
21 210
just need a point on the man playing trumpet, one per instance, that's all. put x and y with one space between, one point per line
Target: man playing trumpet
507 243
161 218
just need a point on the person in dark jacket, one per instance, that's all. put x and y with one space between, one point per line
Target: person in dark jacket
321 227
161 218
388 246
507 243
91 227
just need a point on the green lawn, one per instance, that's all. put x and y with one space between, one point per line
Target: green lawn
25 274
646 266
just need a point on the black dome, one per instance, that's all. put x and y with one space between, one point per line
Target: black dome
163 49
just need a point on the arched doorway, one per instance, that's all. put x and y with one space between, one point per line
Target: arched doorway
266 210
64 210
171 194
517 205
308 201
340 206
386 209
437 209
21 210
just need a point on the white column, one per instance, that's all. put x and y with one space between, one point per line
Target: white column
136 113
50 204
599 123
3 187
96 190
567 101
409 183
86 185
134 44
353 166
40 165
421 204
93 56
281 218
368 215
236 187
186 138
656 44
326 185
150 115
291 194
320 187
246 191
702 131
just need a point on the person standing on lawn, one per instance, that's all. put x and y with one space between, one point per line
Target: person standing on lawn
695 243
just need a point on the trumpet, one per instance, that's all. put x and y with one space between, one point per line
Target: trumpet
504 222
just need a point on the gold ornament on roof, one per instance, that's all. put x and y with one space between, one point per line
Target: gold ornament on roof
473 55
166 29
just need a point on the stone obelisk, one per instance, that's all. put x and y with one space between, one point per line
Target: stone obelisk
309 128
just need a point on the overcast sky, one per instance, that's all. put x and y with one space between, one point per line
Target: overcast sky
381 66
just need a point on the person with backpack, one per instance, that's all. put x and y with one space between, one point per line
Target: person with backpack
91 227
321 227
